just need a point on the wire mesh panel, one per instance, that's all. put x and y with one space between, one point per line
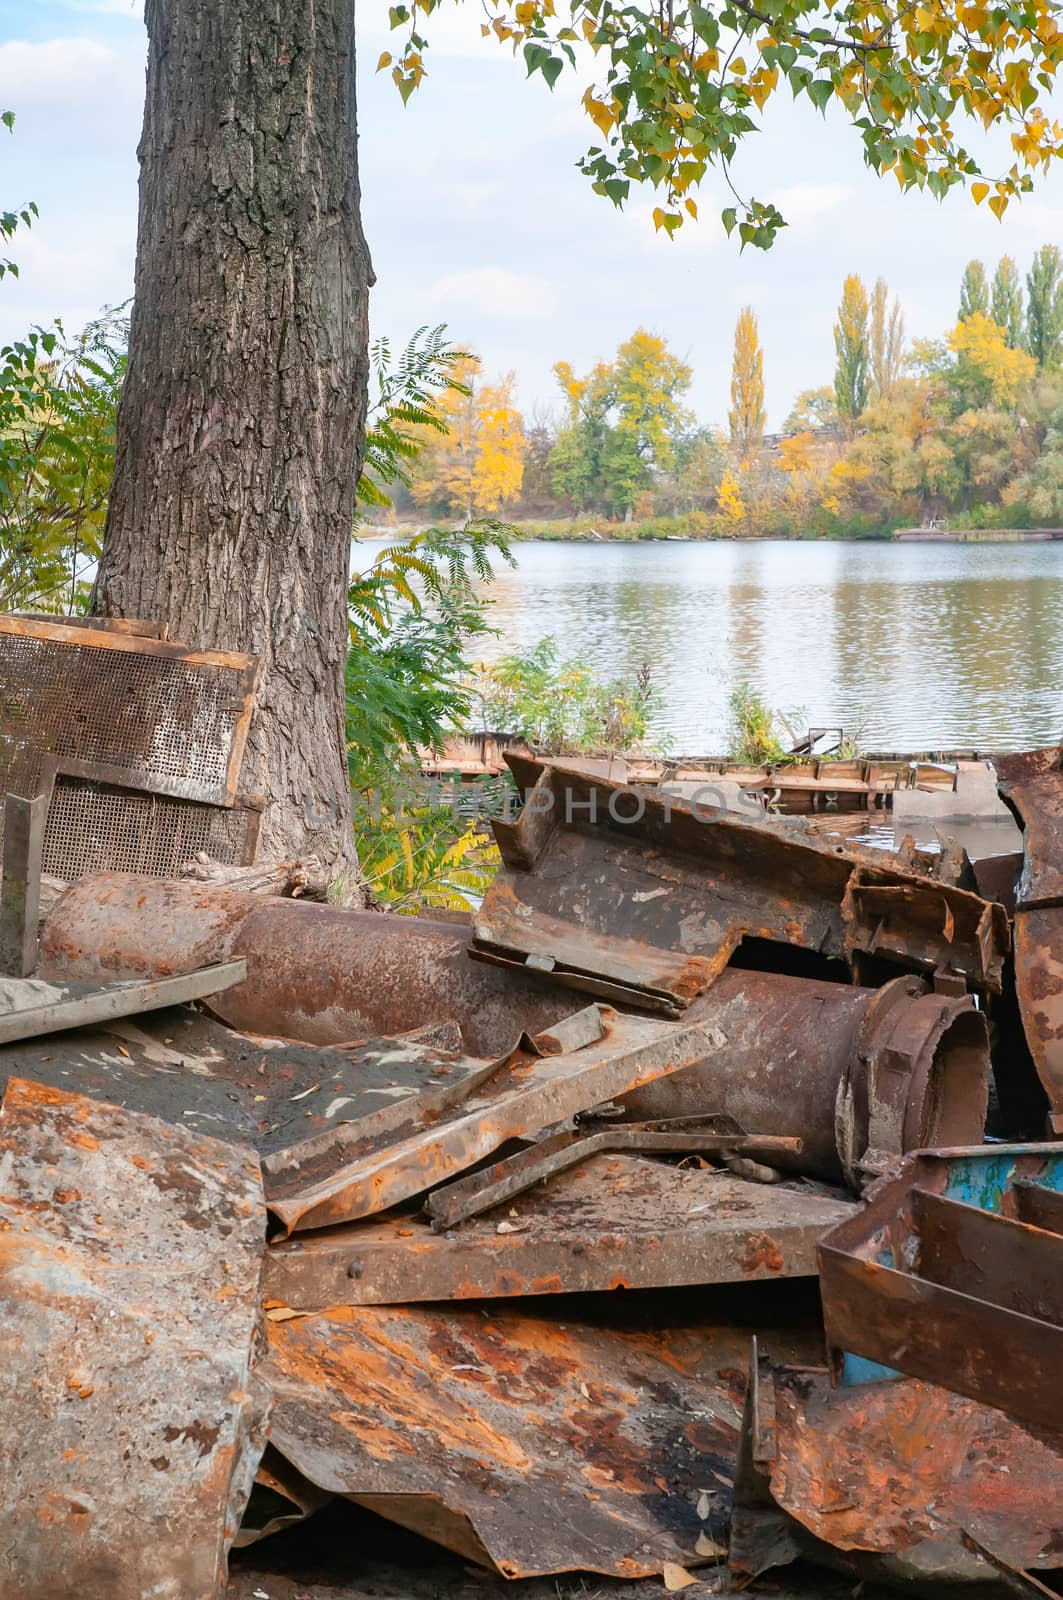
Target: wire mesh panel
121 708
96 827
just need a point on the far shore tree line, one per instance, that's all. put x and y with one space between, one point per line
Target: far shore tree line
966 428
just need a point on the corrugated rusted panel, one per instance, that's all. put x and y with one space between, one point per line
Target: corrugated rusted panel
605 883
904 1468
368 1166
613 1222
129 1278
539 1444
125 709
939 1277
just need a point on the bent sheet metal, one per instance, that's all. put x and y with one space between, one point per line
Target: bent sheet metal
381 1160
953 1272
271 1093
129 1279
533 1444
640 896
900 1470
618 1222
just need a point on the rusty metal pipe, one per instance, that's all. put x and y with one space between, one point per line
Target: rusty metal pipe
845 1069
320 974
848 1070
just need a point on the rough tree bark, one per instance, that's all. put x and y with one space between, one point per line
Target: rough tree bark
242 419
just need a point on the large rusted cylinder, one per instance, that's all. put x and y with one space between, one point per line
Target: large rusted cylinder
851 1071
317 973
848 1070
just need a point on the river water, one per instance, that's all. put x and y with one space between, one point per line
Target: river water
914 646
924 646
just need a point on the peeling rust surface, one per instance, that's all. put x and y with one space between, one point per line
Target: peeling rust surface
368 1166
589 857
899 1468
1033 782
841 1067
129 1280
537 1444
323 974
613 1222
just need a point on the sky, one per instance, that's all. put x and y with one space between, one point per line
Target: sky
477 217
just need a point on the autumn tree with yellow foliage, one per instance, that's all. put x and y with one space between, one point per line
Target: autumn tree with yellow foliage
852 371
476 467
624 420
747 416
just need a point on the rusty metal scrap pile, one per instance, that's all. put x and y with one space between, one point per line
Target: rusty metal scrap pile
302 1203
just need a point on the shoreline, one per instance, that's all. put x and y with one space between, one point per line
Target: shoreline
402 532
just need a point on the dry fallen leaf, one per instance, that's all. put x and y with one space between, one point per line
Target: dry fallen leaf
704 1505
122 1051
708 1547
283 1314
676 1577
511 1227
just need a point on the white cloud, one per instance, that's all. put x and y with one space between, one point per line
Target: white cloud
496 292
804 203
61 71
133 9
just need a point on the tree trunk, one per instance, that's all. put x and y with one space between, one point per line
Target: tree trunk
241 426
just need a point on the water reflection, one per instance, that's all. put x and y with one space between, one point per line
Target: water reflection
923 645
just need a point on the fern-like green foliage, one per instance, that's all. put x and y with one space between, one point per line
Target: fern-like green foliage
405 398
58 405
413 614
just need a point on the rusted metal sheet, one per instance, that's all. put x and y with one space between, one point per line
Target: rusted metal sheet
942 1277
613 1222
271 1093
96 827
850 1071
52 1009
1033 782
367 1166
140 711
133 625
20 890
902 1470
536 1444
129 1280
633 888
492 1186
323 974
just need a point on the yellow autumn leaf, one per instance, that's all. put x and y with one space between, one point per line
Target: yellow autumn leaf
692 208
385 61
979 191
676 1577
660 217
998 204
600 114
738 67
